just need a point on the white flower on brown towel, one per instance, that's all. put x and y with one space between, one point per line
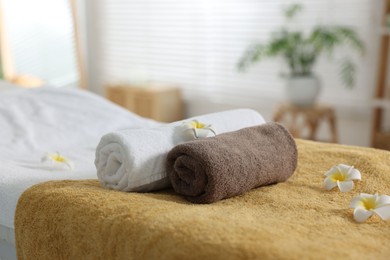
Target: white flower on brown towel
342 176
365 205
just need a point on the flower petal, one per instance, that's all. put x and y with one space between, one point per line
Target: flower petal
211 129
356 203
344 168
56 161
46 158
201 133
383 200
354 174
187 125
361 215
383 212
331 171
345 186
191 132
69 163
329 184
365 195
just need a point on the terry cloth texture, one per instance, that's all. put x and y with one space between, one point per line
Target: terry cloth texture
134 159
296 219
220 167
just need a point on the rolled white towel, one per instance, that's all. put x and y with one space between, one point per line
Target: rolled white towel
134 159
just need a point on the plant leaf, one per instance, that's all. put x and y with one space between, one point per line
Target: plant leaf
323 38
347 72
292 10
251 55
350 37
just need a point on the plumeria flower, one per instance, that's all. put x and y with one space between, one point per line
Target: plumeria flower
57 161
365 205
198 129
342 176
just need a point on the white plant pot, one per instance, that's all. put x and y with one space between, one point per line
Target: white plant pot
303 90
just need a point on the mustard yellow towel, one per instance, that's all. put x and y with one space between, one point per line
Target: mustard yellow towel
295 219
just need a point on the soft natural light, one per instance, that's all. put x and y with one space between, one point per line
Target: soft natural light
197 45
40 35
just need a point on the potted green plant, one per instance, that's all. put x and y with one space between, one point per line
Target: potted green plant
301 51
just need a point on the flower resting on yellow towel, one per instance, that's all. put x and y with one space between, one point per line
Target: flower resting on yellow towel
365 205
342 176
198 129
57 161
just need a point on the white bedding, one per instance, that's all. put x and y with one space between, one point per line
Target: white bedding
36 121
7 243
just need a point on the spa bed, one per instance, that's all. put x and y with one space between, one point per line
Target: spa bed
76 218
37 121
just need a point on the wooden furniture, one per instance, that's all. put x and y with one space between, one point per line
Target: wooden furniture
6 59
27 81
77 30
381 138
161 103
301 119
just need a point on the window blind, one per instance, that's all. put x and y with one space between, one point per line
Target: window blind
40 35
197 44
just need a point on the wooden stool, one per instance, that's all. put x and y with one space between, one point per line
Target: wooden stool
311 117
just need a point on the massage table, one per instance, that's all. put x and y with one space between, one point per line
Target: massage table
37 121
76 218
297 219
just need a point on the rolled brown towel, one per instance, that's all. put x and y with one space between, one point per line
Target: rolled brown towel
215 168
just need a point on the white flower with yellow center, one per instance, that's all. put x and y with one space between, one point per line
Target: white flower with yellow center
56 160
198 129
365 205
342 176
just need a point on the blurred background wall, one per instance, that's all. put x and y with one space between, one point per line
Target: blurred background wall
197 44
194 46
